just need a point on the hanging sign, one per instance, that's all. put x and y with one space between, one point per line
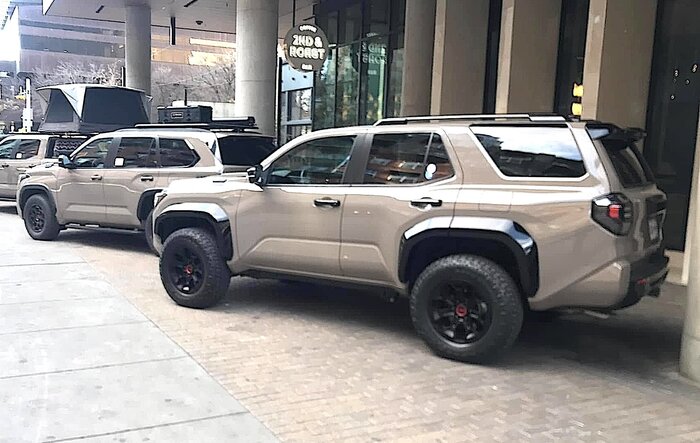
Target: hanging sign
306 47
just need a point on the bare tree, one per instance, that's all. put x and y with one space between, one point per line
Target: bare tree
77 72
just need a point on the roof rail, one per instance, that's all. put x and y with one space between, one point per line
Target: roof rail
235 125
428 118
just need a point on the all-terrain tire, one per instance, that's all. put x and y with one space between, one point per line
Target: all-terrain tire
40 218
494 286
148 232
215 275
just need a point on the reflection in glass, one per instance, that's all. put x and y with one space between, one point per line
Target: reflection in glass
324 96
348 85
373 80
393 105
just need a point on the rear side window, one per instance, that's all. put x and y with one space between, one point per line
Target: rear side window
629 165
136 153
244 150
407 159
27 149
530 151
176 152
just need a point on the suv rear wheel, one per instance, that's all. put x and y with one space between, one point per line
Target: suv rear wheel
466 308
40 218
192 269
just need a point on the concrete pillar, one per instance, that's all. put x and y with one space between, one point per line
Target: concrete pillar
690 347
256 61
527 57
617 67
138 47
459 63
418 57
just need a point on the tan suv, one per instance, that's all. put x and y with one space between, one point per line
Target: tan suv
475 218
19 152
111 180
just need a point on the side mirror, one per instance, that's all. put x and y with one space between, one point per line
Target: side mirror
255 175
65 162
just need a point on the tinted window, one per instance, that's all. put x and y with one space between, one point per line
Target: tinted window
63 146
6 148
27 149
631 168
321 161
176 152
407 159
93 155
136 153
520 151
244 150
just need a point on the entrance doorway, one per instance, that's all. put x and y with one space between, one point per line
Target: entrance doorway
672 119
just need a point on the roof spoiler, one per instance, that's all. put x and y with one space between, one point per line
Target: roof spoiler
609 131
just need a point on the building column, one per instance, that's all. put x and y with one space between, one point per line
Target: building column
138 47
256 61
418 57
459 63
617 67
690 347
527 57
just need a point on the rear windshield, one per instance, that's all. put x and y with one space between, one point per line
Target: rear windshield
632 170
238 150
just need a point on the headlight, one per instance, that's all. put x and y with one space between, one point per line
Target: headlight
159 198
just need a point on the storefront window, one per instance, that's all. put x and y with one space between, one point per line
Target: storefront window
348 85
324 94
362 82
350 24
374 52
393 105
376 18
299 105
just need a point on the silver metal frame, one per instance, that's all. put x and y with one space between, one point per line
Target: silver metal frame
428 118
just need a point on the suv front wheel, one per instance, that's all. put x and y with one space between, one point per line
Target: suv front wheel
192 269
466 308
40 218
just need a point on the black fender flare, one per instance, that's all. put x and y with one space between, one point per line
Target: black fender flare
143 208
172 220
502 231
25 192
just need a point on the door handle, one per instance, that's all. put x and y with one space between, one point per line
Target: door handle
5 165
425 202
96 177
326 202
146 178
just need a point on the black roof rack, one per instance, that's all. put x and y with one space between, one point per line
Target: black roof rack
238 124
467 117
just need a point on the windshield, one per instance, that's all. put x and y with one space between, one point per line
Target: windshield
236 150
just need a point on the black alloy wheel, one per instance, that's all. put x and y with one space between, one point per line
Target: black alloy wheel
192 269
458 314
40 218
186 270
466 308
37 218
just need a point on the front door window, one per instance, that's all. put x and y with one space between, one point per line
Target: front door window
318 162
93 156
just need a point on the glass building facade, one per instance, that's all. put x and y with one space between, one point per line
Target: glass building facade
360 82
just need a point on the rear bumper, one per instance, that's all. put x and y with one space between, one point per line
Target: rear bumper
646 278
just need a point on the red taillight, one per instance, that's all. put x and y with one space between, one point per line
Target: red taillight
614 212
